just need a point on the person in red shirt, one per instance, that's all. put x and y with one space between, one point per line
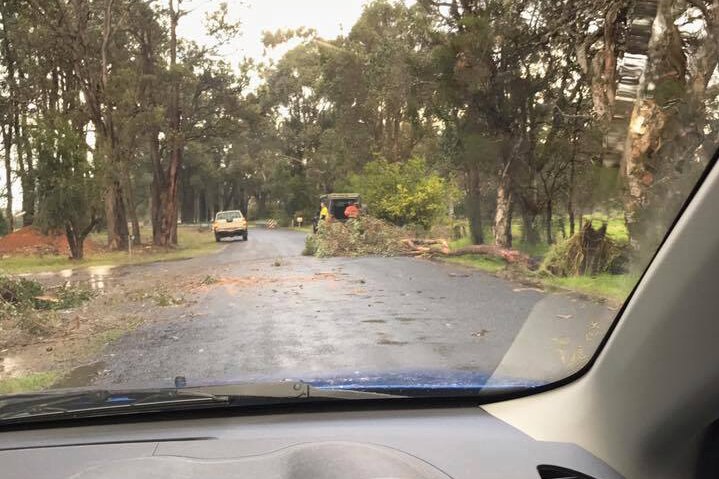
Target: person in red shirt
352 211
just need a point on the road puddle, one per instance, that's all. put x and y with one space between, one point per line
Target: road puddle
96 278
81 376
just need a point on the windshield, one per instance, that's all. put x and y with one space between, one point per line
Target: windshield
442 197
229 215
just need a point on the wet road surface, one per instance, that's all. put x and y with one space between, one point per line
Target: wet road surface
266 312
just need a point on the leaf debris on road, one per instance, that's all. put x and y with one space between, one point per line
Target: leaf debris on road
481 333
522 290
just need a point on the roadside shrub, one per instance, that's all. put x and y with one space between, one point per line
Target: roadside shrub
361 237
27 303
283 219
19 291
589 252
404 193
310 246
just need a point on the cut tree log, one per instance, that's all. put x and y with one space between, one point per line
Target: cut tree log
440 247
508 255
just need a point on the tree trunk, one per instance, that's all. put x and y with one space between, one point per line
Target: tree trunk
503 214
570 199
549 213
196 206
115 216
643 162
7 131
530 235
76 238
173 230
27 172
132 207
169 186
156 187
77 250
7 144
474 205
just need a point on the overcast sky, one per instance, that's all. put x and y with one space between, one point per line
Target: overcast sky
329 17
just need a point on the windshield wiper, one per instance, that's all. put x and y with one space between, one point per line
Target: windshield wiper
94 403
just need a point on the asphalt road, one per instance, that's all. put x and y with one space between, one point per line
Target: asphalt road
274 314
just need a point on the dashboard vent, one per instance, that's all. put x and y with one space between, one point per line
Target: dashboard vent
556 472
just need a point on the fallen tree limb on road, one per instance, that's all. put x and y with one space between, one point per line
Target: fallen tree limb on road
440 247
371 236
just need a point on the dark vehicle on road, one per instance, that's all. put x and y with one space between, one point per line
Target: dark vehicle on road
336 204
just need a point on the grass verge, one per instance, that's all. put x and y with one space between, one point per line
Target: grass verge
29 383
192 243
608 286
614 288
489 265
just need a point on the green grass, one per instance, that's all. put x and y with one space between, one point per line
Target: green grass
29 383
616 227
613 287
192 243
483 263
460 243
540 249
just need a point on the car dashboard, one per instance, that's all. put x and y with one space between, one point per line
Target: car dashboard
425 443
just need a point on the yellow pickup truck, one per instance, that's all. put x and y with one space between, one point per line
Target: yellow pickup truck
228 224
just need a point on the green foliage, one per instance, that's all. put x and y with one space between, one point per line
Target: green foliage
19 291
68 190
589 252
310 248
361 237
22 300
404 193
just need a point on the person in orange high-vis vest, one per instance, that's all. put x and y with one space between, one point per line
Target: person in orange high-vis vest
352 211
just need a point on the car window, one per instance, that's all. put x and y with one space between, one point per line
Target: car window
232 215
519 164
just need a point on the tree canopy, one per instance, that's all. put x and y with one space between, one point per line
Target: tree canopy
534 110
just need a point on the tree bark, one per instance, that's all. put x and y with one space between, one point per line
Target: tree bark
7 132
196 206
8 129
530 235
76 238
156 186
168 187
503 213
643 161
27 171
441 248
570 197
115 215
549 213
474 205
132 208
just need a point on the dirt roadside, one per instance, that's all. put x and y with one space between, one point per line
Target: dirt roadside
123 299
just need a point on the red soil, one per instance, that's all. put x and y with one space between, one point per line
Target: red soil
30 240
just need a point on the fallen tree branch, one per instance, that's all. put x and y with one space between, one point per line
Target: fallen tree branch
440 247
